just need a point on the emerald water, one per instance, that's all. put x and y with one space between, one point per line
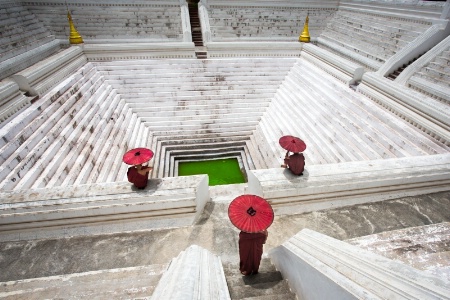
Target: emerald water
220 171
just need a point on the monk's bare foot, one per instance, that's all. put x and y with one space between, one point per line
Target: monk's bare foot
245 273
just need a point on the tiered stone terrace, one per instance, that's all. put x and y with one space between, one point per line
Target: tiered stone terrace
215 108
247 22
336 124
20 33
369 38
73 135
61 172
198 109
112 22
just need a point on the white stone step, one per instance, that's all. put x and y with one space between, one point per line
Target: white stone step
387 135
92 163
137 100
112 148
28 122
75 160
59 162
350 128
104 145
200 115
59 127
135 282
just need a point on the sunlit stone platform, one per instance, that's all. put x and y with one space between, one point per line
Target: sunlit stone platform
377 159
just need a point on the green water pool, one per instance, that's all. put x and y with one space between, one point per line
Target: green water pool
220 171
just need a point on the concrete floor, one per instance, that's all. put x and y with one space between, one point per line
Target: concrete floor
39 258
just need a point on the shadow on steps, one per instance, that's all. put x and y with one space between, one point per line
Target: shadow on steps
268 284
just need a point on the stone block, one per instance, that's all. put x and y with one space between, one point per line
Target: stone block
194 273
102 208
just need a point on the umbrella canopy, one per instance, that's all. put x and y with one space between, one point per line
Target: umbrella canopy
137 156
250 213
292 143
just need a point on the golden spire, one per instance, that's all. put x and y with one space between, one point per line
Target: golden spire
304 37
75 37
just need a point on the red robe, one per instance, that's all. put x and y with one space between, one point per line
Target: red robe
250 251
296 163
140 181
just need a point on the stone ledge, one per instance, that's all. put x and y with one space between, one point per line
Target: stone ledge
107 284
102 208
287 48
45 74
343 184
130 51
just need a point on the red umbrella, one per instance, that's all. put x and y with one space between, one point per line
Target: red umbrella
292 143
250 213
137 156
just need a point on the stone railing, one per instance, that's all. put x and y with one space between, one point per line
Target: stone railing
367 35
195 273
12 99
430 56
423 43
44 75
333 64
131 51
253 49
204 21
320 267
430 116
102 208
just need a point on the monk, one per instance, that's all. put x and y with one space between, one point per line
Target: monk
138 175
250 251
295 163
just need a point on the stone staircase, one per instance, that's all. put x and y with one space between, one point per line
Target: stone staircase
397 72
312 107
197 108
433 77
267 285
369 38
73 135
196 30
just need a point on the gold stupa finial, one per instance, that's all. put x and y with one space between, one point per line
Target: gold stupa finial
75 37
304 37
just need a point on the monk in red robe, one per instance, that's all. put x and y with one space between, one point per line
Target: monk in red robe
295 163
138 175
250 251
